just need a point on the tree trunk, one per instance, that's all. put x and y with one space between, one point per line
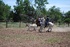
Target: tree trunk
59 24
19 24
6 23
68 24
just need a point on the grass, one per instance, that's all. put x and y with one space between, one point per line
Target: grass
62 25
16 25
53 40
12 25
31 37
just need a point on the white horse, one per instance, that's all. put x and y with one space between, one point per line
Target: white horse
31 26
50 26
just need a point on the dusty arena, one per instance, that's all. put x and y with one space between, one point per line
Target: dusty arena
20 37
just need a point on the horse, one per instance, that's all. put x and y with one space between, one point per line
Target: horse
38 24
49 25
31 26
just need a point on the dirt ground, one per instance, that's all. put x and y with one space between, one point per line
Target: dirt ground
20 37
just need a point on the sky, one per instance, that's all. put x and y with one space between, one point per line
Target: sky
64 5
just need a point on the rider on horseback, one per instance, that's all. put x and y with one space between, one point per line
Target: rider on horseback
47 21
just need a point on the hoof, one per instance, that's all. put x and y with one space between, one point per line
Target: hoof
40 31
48 31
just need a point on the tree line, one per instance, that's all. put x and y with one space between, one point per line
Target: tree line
24 10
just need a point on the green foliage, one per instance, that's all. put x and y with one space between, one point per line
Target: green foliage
24 11
67 20
4 10
67 17
55 14
40 6
40 3
19 10
67 14
27 8
24 8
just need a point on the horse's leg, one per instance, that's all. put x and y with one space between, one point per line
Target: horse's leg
41 28
29 28
49 28
34 28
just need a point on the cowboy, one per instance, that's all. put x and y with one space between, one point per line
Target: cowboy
47 21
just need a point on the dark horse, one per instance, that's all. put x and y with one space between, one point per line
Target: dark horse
37 22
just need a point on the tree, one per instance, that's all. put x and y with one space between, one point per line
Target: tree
26 4
18 2
67 20
44 11
23 7
29 10
2 5
67 14
55 14
4 12
40 5
19 9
